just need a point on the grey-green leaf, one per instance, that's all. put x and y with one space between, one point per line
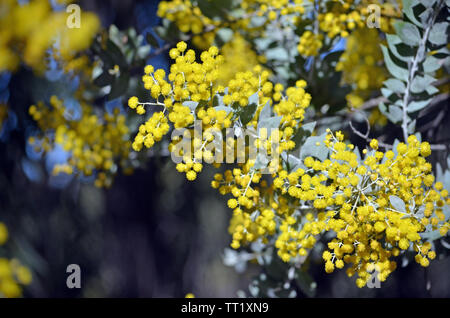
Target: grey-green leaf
438 34
417 105
269 123
408 6
394 69
395 85
420 83
310 148
407 32
397 203
431 64
395 114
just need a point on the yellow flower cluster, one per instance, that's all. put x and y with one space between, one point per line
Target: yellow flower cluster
238 57
13 275
193 82
345 16
188 17
36 28
310 44
376 209
95 143
360 65
273 8
341 20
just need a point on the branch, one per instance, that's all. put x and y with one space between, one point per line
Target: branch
414 68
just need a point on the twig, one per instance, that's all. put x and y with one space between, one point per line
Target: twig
414 68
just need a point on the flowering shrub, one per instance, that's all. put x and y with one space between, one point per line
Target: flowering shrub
314 115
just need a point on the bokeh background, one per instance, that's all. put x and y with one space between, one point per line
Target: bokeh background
153 233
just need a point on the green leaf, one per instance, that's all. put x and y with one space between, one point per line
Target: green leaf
247 113
397 203
302 133
394 69
417 105
104 79
120 86
214 8
115 53
407 32
152 40
395 85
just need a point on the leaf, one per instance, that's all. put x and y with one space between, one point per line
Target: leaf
411 127
302 133
120 86
152 40
431 235
397 203
425 16
254 99
247 113
115 53
257 21
386 92
395 85
228 109
401 51
224 35
438 33
214 8
417 105
277 54
269 123
266 111
421 83
431 90
260 162
395 114
310 148
192 105
394 69
104 79
408 6
407 32
431 64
